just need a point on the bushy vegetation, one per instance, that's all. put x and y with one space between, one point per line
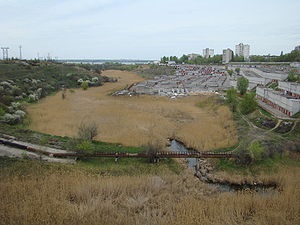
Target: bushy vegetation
84 85
87 130
242 85
29 81
216 59
98 68
231 99
293 56
248 103
293 76
150 71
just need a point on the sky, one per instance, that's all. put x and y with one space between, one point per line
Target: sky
146 29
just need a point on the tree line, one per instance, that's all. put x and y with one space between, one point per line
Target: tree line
293 56
197 60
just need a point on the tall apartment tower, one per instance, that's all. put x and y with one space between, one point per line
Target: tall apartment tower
243 50
227 55
207 53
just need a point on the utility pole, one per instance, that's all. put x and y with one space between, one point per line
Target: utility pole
20 47
5 52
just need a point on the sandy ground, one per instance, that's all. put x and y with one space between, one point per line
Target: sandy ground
134 121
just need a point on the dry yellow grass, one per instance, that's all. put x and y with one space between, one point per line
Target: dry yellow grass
76 197
134 121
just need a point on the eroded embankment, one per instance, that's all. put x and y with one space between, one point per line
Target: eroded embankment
203 170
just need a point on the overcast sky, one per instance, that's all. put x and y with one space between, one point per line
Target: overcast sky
146 29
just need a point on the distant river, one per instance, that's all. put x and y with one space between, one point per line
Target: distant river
102 61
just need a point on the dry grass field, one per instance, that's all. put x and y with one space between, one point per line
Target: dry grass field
33 193
134 121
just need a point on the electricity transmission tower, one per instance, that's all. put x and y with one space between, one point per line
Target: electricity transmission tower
5 52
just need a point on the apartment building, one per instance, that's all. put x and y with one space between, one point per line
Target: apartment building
227 55
192 56
207 53
243 50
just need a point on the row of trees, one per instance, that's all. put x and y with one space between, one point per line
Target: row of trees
237 70
198 60
246 103
293 56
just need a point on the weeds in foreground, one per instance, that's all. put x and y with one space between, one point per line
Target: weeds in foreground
32 194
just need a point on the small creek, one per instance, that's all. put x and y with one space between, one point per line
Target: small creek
179 147
202 172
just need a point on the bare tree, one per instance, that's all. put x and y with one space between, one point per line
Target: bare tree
87 130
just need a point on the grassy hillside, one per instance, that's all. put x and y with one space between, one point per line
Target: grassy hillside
29 81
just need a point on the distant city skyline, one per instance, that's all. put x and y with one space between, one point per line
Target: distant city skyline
141 29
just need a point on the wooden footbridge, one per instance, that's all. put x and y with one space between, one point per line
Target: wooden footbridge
57 153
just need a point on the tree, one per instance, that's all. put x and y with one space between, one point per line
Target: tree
84 85
174 58
231 98
184 59
293 77
230 72
164 59
151 149
238 59
87 130
248 103
242 85
237 70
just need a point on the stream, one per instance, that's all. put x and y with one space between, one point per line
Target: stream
202 171
179 147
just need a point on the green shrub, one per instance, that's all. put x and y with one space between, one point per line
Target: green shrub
2 111
248 104
256 150
84 85
85 145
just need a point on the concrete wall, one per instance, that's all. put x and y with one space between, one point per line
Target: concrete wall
291 105
272 76
258 80
290 87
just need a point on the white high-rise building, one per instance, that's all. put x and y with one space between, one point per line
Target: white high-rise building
243 50
207 53
227 55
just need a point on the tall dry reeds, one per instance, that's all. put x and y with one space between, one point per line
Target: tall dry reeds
59 196
137 120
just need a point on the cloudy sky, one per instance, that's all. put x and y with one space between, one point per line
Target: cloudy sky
146 29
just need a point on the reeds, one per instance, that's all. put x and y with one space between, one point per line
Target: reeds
136 120
57 196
